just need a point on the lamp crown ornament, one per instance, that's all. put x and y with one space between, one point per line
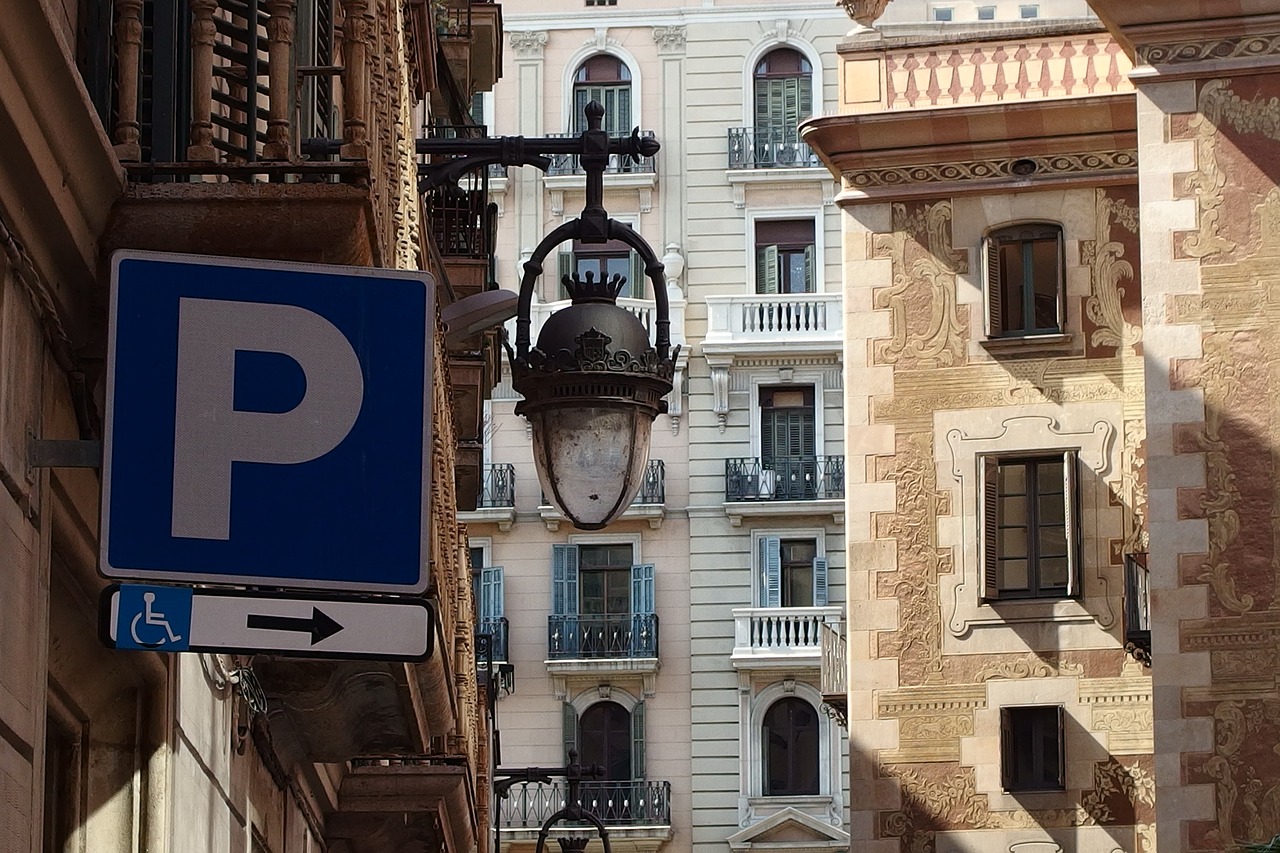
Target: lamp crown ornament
594 382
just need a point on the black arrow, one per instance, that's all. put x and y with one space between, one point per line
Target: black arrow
320 626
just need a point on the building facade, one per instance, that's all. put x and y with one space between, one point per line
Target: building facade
1058 529
188 127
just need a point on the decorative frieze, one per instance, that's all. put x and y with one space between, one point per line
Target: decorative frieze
1232 47
1100 163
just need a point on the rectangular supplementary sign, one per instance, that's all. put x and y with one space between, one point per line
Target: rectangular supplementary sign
183 619
268 424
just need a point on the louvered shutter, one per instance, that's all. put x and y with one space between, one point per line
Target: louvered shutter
819 581
766 269
809 271
1008 752
581 97
569 727
1062 749
790 107
768 105
564 269
988 525
995 290
1071 508
637 741
635 287
491 596
564 580
770 571
621 114
806 97
642 609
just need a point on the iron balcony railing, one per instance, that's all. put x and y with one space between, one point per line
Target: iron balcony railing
654 488
463 221
496 630
632 803
567 164
768 148
602 637
497 486
835 668
784 478
1137 607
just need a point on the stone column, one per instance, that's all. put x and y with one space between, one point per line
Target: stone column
203 33
128 64
280 28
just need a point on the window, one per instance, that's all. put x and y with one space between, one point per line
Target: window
784 256
605 260
986 13
791 573
602 606
1024 280
783 85
1029 547
788 452
943 14
492 609
1031 748
790 742
602 2
1027 12
606 79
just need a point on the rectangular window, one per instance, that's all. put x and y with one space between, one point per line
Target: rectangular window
1032 757
602 2
986 13
1024 277
791 573
1029 532
1028 12
943 15
602 606
785 256
604 260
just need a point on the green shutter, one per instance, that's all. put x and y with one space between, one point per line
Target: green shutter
635 287
637 741
809 276
819 581
569 727
988 526
770 571
564 269
768 105
1071 507
790 107
806 97
995 290
581 97
766 269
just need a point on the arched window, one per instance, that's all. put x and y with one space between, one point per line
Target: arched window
604 78
783 95
790 740
605 735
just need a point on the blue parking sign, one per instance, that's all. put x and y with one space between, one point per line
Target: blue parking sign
268 424
153 617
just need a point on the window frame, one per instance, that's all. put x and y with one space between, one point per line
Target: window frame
994 287
990 13
1029 11
572 710
943 14
764 593
817 268
989 527
1011 746
832 760
569 81
795 760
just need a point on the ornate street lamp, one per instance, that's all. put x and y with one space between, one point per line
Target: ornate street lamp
593 384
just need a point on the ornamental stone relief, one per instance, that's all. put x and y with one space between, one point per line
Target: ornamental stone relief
926 331
1234 47
669 39
1002 168
1241 770
1109 269
528 45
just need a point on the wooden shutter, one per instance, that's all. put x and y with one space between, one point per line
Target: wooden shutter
564 580
642 591
819 581
809 272
790 107
770 571
806 97
569 727
995 289
1071 510
637 741
564 269
1008 750
768 107
988 525
491 593
635 288
581 97
766 269
1062 749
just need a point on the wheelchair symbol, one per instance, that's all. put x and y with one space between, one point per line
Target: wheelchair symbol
151 617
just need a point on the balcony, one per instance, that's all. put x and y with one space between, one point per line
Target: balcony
780 637
773 323
636 813
834 679
390 805
568 164
470 37
496 629
650 502
211 132
495 498
602 637
784 486
1137 608
770 148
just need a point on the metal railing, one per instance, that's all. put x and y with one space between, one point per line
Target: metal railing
632 803
602 637
567 164
496 629
1137 608
835 668
497 486
768 148
784 478
654 488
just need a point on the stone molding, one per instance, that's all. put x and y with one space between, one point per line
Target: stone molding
1231 47
669 39
529 44
1000 168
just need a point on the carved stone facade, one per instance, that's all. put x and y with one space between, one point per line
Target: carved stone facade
1165 387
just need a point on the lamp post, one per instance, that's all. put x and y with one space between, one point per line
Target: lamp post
593 384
